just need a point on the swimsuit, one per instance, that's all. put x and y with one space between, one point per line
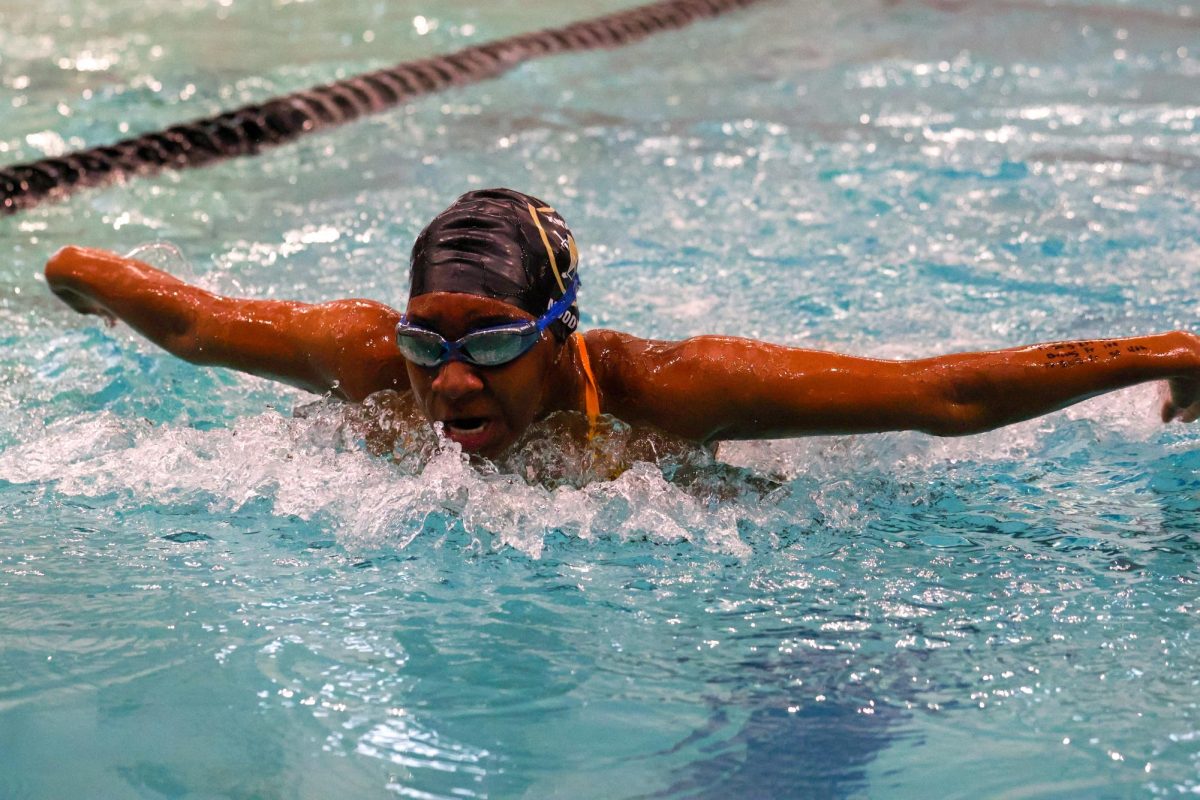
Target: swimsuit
591 395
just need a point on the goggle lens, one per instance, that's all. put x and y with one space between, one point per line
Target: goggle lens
500 347
486 348
420 347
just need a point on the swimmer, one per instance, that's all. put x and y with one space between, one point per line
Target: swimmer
488 345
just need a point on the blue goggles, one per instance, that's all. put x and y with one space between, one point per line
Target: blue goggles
486 347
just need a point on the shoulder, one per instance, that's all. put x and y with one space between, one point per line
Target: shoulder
364 322
610 351
621 363
629 357
352 312
356 344
671 385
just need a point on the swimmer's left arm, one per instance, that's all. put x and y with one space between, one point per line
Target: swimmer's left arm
711 388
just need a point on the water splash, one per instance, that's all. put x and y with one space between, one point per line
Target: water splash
318 465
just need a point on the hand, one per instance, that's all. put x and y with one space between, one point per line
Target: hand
1181 400
82 303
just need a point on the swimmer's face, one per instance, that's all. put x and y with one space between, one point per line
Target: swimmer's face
484 409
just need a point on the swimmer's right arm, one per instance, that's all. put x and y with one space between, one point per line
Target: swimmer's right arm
345 347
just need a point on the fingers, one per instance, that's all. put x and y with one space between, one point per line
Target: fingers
1181 400
1167 409
1171 412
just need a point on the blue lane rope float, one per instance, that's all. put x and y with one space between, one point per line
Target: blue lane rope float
249 129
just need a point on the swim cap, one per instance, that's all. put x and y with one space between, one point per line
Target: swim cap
503 244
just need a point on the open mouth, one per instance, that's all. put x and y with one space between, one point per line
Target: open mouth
471 433
465 425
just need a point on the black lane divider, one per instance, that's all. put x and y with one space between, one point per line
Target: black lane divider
247 130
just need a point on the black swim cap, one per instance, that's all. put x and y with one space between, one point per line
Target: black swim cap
502 244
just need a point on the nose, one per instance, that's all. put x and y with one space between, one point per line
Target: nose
456 379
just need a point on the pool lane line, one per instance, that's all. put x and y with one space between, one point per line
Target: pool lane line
249 129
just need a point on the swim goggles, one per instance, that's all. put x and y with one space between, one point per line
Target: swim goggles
486 347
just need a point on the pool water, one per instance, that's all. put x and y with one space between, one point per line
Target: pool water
209 587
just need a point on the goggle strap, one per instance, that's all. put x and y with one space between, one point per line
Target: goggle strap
560 306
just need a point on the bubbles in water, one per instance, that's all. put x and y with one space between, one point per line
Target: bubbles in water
379 476
166 256
329 461
161 254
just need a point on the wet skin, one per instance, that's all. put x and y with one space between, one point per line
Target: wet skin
703 389
486 409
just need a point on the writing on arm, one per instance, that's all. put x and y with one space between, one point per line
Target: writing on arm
1074 354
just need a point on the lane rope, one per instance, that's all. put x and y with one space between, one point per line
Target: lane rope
251 128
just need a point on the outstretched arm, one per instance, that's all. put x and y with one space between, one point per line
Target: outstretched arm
345 347
712 388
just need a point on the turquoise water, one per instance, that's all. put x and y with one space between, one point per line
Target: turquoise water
206 594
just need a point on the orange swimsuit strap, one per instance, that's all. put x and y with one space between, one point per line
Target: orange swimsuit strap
591 395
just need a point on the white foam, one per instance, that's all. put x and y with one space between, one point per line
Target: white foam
314 467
